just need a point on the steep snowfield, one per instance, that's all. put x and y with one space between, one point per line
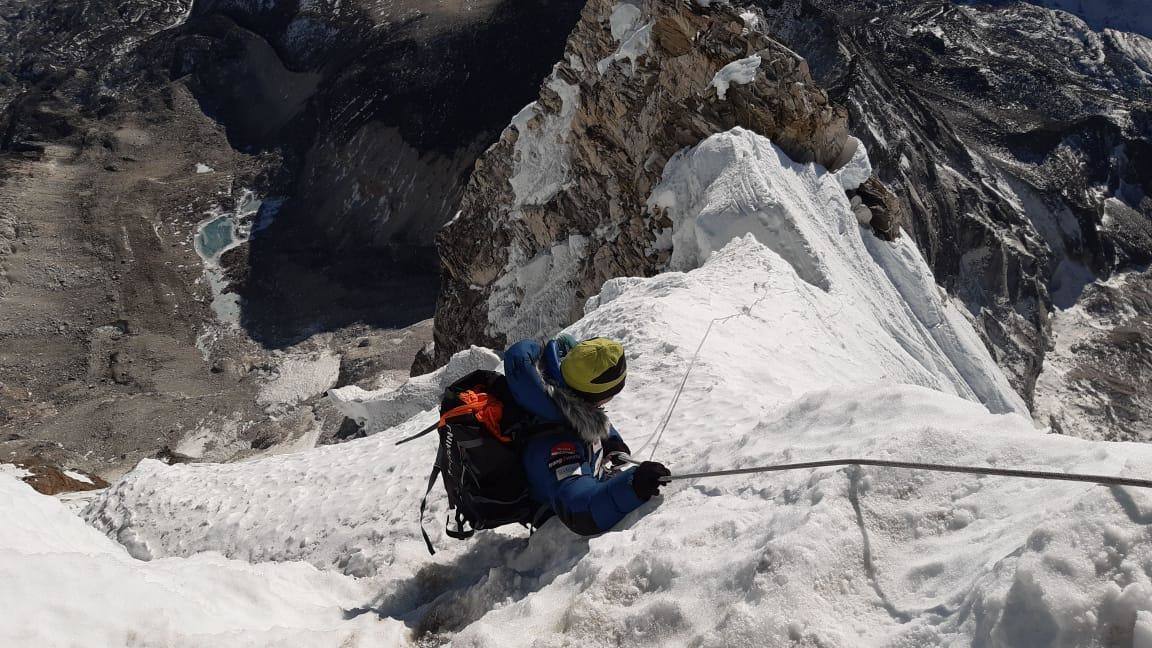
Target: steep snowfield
824 343
876 302
65 584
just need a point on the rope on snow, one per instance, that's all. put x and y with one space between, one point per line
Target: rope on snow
662 424
1105 480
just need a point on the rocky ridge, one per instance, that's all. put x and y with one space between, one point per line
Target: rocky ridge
559 204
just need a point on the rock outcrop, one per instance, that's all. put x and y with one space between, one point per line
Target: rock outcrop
559 204
1096 377
49 478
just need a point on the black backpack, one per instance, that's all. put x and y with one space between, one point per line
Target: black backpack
482 432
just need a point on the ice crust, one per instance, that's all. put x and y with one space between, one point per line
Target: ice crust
540 160
523 300
857 170
739 72
299 377
633 35
831 344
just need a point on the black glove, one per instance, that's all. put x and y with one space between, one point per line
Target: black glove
646 479
613 447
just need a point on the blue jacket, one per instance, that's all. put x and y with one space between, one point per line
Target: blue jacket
560 466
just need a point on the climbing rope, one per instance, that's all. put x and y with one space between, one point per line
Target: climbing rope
658 433
1105 480
662 423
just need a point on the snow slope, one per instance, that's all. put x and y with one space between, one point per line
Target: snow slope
805 361
65 584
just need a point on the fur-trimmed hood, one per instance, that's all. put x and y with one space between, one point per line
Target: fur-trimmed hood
589 421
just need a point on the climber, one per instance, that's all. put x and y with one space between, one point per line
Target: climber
575 467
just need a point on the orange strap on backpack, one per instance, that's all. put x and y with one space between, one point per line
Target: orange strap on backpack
484 407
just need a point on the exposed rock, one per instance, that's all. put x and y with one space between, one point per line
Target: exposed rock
558 205
229 367
170 456
118 369
374 360
425 361
1096 378
51 479
884 212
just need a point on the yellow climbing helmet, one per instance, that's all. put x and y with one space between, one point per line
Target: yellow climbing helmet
595 369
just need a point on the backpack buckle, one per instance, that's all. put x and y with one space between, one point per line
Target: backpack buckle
460 533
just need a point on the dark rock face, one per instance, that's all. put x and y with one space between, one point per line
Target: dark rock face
55 58
1016 138
378 113
1096 377
386 107
368 119
558 205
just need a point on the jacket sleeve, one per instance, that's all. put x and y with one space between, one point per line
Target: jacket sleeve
560 475
524 380
614 443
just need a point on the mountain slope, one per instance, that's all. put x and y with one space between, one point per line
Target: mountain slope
1018 140
792 371
377 111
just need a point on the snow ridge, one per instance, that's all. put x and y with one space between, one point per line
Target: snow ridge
738 182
